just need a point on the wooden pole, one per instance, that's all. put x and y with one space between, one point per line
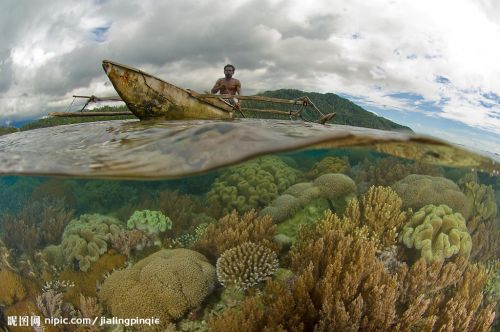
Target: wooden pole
85 114
256 98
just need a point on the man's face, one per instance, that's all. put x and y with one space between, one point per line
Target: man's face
228 72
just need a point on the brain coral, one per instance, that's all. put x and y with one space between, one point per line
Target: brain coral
86 238
437 232
246 265
165 284
419 190
250 185
331 186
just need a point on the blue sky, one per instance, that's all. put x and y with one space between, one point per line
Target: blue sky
430 65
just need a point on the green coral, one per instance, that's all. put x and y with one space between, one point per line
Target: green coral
417 191
329 165
150 222
334 189
437 232
251 185
85 239
308 214
480 201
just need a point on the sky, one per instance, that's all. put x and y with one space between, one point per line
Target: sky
431 65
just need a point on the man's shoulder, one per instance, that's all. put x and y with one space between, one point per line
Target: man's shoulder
236 80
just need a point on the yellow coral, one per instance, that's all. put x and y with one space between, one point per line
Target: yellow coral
165 284
12 289
380 211
419 190
437 232
250 185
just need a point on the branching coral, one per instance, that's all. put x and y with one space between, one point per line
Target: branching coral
251 185
379 209
340 285
12 289
233 230
437 232
165 285
19 234
181 209
419 190
246 265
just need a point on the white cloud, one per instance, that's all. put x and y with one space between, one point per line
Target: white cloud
368 49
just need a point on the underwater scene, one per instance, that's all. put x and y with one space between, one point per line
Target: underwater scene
317 237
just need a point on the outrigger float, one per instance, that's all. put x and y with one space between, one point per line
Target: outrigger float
148 97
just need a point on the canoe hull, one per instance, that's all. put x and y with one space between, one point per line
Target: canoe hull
150 97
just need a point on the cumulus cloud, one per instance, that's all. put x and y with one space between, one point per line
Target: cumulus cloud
443 53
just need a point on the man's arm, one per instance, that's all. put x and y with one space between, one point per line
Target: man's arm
216 87
238 87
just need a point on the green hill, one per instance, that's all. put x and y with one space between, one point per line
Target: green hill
347 112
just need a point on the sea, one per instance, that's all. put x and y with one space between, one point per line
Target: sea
245 225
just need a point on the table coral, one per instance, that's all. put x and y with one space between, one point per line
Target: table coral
246 265
419 190
86 239
165 285
437 232
250 185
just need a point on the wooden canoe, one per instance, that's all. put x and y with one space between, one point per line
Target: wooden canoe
150 97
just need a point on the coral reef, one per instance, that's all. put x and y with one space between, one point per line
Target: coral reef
86 238
437 232
419 190
329 165
379 209
12 289
130 240
480 201
340 285
151 222
181 209
50 304
87 283
336 188
165 284
20 235
251 185
246 265
38 223
233 230
386 171
485 239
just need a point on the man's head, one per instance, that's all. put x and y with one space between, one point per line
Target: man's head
229 71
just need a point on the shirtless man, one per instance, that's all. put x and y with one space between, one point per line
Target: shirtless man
228 84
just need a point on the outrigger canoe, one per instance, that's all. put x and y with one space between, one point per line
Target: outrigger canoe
150 97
